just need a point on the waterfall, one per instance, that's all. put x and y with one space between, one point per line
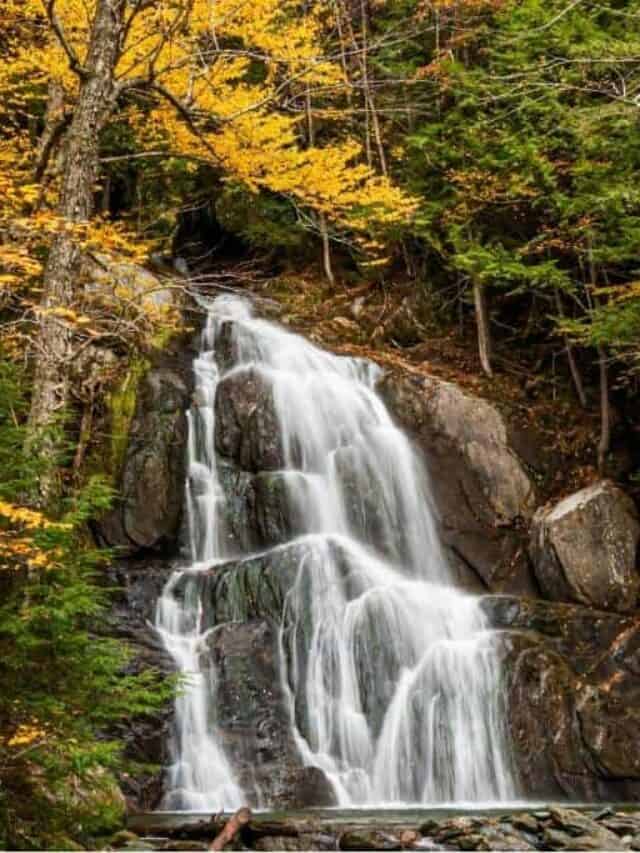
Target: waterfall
392 674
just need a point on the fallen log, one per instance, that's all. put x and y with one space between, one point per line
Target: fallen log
232 827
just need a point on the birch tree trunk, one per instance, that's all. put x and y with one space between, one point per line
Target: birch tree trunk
484 333
322 219
54 355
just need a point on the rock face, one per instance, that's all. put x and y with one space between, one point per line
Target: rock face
138 585
147 517
584 548
483 489
246 426
572 679
253 720
572 670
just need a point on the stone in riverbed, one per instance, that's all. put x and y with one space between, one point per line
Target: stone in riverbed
368 839
526 822
584 548
622 824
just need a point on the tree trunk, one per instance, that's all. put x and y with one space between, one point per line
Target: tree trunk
54 125
573 364
322 219
482 323
54 356
604 445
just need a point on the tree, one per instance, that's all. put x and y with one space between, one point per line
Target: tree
63 681
198 82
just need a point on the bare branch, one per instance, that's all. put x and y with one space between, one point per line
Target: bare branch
58 29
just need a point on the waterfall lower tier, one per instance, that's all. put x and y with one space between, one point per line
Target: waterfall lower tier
298 476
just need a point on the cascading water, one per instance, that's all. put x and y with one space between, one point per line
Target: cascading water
392 674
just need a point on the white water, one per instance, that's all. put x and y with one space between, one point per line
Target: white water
392 673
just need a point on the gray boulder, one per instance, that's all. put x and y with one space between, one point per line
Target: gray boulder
584 548
482 485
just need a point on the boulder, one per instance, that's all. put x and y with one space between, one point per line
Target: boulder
572 690
247 430
258 512
130 285
252 587
483 488
584 548
272 512
147 515
253 720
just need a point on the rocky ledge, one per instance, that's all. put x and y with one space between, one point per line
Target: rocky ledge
553 828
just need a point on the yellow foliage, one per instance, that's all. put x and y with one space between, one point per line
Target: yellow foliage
18 548
218 76
26 734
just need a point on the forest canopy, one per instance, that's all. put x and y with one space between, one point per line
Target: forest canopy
482 156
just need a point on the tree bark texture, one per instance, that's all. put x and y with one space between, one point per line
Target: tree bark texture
484 333
54 354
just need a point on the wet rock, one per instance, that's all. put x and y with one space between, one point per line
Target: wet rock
364 507
541 814
253 722
474 841
551 759
526 822
499 840
272 511
119 839
584 548
455 827
372 839
136 587
236 524
571 670
284 842
247 429
226 350
252 588
621 824
582 635
610 727
258 511
482 487
556 839
574 822
147 516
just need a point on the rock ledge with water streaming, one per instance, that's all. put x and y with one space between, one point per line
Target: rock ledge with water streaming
572 676
484 488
